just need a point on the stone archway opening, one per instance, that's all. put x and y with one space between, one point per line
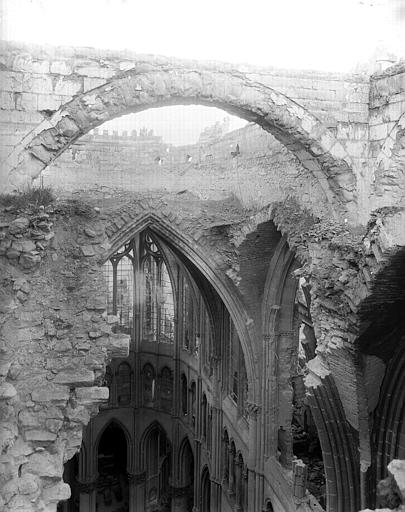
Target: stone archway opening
205 491
112 484
135 90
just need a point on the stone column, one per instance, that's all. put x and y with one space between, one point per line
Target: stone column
231 485
136 483
238 484
180 498
88 496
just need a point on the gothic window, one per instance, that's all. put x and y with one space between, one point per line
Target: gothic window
148 384
189 316
184 408
119 277
157 465
192 402
237 373
158 309
154 290
166 389
206 336
204 413
124 384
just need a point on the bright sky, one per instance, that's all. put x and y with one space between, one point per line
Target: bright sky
330 35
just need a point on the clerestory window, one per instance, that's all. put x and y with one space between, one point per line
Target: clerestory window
139 286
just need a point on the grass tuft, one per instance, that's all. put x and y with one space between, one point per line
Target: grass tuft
32 197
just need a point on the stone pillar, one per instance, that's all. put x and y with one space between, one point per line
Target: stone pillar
136 484
238 484
88 496
216 496
180 498
231 461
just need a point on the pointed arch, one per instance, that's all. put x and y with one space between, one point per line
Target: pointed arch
182 82
154 425
186 462
166 227
120 425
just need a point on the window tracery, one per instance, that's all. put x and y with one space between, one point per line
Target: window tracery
153 288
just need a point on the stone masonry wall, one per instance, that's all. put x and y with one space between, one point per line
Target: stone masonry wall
36 81
55 342
263 173
387 135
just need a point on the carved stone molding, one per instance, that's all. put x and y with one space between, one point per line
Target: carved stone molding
137 478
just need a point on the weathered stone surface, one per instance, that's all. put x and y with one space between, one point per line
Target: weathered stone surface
75 377
50 393
19 225
7 391
43 464
29 260
92 395
56 493
40 436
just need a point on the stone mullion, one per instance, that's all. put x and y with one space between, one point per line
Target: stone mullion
238 483
231 471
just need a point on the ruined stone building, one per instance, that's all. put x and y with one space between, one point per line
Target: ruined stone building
217 327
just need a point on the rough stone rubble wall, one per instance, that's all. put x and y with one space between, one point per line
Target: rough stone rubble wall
55 342
387 136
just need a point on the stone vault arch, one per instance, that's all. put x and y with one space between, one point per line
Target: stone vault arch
161 82
171 228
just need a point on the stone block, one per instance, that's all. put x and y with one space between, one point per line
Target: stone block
11 81
28 101
43 464
66 87
78 414
40 66
27 484
7 391
7 101
94 71
48 102
50 393
29 260
75 377
56 493
39 84
87 250
92 395
19 225
42 436
61 67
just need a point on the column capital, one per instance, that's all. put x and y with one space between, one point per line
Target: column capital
136 478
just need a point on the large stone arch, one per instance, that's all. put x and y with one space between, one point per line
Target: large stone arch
170 231
161 83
